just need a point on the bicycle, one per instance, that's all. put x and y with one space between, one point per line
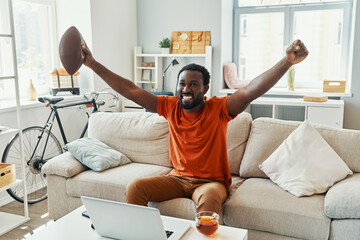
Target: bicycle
40 145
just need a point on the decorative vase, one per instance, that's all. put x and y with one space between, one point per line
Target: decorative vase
165 50
291 78
31 92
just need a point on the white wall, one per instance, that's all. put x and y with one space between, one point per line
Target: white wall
77 13
114 37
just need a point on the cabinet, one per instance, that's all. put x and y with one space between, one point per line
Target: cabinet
130 106
157 69
332 116
11 221
329 113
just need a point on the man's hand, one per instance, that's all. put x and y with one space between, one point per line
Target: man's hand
89 59
238 102
296 52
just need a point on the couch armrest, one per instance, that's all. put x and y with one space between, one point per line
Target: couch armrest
64 165
343 199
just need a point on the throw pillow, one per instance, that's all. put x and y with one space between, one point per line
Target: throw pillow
304 164
231 78
95 154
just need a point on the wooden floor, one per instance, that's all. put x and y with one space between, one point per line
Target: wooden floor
38 219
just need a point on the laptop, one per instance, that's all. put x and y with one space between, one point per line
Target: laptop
131 222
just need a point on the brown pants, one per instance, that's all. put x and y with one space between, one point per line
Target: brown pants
207 194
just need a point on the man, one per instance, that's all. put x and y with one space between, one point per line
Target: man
197 128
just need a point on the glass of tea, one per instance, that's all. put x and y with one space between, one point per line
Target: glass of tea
207 222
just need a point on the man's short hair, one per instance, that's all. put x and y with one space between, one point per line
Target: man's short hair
199 68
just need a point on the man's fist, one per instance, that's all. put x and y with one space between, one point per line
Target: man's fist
296 52
89 59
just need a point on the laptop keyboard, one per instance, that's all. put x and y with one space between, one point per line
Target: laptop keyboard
168 233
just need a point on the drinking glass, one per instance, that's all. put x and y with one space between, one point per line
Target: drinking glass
207 222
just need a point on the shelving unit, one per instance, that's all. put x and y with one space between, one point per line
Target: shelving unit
157 71
329 113
11 221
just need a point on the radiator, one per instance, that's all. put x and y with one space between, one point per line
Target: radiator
293 113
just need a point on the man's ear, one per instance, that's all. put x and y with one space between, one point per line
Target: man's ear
206 88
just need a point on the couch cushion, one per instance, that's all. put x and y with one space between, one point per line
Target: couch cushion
260 235
64 165
236 138
111 184
343 199
267 134
348 229
304 164
259 204
177 207
141 136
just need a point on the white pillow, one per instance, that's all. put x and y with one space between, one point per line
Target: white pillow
305 164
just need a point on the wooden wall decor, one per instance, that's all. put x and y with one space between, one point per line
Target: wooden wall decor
186 42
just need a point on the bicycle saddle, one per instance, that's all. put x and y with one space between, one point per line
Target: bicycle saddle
50 100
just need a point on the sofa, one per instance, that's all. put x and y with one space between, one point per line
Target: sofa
254 203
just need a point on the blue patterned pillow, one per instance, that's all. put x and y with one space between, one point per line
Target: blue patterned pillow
95 154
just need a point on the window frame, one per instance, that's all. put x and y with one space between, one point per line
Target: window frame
289 11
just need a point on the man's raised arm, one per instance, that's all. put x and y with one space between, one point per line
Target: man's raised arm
238 102
121 85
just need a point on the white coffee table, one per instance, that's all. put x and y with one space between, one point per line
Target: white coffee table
75 226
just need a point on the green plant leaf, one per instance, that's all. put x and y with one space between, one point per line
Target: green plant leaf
164 43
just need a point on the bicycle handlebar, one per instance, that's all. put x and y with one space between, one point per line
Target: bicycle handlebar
100 102
93 96
96 94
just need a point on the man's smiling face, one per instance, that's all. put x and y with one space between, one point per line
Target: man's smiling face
191 90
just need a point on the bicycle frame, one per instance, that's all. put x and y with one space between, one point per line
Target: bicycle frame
54 114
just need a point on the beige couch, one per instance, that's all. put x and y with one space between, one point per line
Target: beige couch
255 202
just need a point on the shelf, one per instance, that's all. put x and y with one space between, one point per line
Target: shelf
145 67
297 92
145 82
17 181
157 74
169 55
8 131
10 221
296 102
6 77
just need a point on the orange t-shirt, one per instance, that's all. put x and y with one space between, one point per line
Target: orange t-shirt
198 140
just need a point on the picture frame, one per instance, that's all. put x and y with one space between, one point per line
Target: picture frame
146 75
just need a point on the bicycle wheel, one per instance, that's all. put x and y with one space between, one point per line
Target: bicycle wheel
35 180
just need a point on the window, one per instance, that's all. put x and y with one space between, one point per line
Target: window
263 29
35 36
7 84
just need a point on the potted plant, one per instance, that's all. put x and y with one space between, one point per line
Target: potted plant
164 44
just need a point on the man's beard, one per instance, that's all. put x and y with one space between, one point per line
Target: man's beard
195 102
